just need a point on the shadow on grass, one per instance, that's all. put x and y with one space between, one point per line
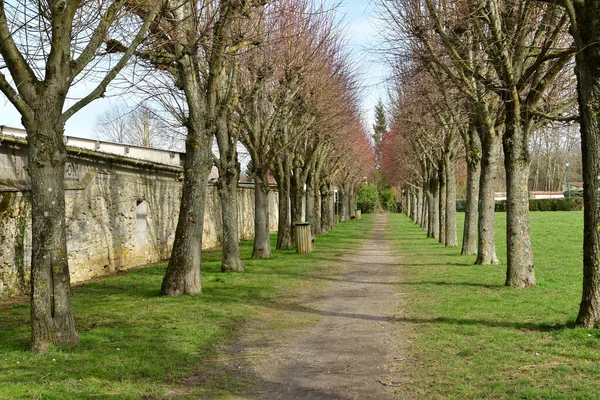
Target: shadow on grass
530 326
443 283
426 264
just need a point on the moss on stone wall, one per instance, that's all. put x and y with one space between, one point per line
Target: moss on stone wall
6 200
20 251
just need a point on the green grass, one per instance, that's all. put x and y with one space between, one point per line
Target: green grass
136 344
473 338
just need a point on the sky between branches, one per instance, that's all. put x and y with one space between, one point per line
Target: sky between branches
362 27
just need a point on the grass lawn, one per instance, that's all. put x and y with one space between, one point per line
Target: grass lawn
473 338
136 344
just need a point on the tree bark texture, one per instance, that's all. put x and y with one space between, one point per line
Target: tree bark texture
486 247
297 197
433 206
51 316
227 186
450 169
351 203
424 215
473 156
183 271
262 238
310 206
442 204
588 88
284 235
343 196
411 205
407 205
418 206
316 224
325 208
429 217
520 268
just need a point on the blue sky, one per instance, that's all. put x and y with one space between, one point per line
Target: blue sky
361 31
362 34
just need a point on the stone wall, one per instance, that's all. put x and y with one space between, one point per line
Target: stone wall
120 213
213 222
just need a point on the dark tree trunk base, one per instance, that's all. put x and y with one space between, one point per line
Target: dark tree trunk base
233 265
178 282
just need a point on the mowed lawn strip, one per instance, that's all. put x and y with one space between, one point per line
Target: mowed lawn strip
474 338
136 344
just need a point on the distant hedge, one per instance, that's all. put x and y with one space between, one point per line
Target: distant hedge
574 193
572 204
365 206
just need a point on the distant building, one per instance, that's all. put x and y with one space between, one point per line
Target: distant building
533 195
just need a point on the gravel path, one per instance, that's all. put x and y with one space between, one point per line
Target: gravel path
354 351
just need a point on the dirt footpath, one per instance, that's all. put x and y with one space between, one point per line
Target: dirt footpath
353 352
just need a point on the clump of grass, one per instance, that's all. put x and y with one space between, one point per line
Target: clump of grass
472 337
136 344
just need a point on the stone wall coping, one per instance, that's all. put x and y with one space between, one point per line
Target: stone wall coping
157 156
79 152
93 149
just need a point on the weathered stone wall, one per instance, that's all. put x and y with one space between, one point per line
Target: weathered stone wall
120 214
213 221
15 236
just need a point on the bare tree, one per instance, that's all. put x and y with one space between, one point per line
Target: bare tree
46 48
111 125
140 127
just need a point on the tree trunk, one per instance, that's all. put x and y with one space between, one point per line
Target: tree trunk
262 238
486 247
417 205
411 205
450 169
284 234
331 206
227 185
297 203
519 271
424 215
183 271
433 206
473 156
325 207
310 205
429 219
51 317
588 88
442 204
316 223
407 206
343 196
351 203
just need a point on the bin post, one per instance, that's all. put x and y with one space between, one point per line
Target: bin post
303 238
358 214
